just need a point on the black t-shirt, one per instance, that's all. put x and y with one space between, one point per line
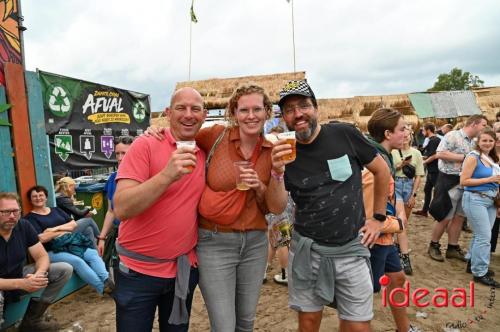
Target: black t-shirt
329 211
41 222
13 251
429 150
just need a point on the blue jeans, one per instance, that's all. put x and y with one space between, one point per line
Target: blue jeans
403 188
481 213
91 268
231 269
137 295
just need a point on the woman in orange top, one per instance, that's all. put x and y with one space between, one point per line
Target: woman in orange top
232 243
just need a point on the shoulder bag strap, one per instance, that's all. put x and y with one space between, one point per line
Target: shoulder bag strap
212 150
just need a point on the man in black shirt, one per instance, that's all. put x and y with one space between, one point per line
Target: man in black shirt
17 237
328 259
431 162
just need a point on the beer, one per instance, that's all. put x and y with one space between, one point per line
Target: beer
242 186
190 144
240 166
289 136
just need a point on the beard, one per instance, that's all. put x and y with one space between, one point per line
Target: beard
305 135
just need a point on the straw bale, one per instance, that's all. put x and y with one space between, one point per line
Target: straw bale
160 121
216 91
334 109
488 100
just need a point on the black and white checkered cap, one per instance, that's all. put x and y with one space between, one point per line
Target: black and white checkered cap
298 87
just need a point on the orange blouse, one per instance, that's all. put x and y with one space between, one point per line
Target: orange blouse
221 175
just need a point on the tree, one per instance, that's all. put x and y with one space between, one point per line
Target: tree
457 80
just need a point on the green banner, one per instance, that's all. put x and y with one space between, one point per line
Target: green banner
82 119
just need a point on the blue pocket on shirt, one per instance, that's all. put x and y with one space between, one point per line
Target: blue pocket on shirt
340 168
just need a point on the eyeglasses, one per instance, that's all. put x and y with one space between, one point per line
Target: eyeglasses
7 213
256 111
289 110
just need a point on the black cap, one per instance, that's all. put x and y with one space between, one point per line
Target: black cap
298 87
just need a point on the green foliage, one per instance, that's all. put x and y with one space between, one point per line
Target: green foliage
457 80
3 108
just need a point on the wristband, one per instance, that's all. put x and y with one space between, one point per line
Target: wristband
276 176
380 217
102 237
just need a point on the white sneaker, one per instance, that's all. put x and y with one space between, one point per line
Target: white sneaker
278 278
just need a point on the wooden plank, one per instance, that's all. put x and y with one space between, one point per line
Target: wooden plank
8 178
23 152
41 154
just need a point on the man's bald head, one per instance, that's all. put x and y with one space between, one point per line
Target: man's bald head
182 92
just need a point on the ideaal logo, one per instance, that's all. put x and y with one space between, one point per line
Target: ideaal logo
423 297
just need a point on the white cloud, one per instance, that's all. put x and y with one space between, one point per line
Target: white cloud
347 48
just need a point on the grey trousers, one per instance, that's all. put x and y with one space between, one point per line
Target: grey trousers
88 227
59 274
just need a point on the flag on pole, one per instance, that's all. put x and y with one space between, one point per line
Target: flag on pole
193 15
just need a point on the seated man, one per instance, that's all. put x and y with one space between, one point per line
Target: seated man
17 237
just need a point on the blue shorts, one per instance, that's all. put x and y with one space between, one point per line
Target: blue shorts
403 188
383 259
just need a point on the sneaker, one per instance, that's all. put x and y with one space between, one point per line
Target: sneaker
487 280
278 278
468 269
456 252
268 268
406 264
435 252
421 213
109 286
412 329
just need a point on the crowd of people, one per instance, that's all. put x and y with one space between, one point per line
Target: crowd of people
213 214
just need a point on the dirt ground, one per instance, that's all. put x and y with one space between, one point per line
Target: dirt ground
86 311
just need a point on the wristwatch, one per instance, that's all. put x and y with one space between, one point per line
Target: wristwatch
380 217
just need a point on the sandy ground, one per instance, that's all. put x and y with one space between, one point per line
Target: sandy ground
86 311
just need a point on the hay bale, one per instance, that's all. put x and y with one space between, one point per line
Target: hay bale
216 91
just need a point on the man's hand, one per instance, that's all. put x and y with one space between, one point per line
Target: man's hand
33 282
371 232
280 149
178 164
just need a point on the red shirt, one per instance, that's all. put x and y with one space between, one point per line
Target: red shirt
168 228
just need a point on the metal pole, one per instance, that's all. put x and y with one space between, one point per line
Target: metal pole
190 34
293 40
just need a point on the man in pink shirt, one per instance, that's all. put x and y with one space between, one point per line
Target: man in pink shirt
156 198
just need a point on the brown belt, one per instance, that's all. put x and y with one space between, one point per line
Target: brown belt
222 229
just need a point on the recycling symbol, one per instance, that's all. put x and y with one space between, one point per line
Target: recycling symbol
139 111
59 100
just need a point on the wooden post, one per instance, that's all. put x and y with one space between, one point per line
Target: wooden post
8 177
39 139
23 151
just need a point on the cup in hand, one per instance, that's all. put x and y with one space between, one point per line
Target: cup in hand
240 167
189 144
289 136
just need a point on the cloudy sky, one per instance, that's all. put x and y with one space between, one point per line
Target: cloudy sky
347 48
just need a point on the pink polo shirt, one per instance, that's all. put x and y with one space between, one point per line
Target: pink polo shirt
168 228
